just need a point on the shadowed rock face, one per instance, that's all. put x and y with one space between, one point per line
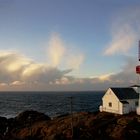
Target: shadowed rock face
33 125
31 116
3 125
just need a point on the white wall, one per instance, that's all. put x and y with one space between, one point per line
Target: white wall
132 104
125 108
116 105
120 109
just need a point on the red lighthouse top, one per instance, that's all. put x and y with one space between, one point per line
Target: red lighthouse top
138 69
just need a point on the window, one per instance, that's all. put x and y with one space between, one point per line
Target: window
110 104
136 103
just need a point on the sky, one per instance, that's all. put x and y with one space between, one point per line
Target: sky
65 45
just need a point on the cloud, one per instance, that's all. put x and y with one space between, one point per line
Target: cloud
13 61
122 41
59 53
75 61
105 77
3 84
125 32
17 83
56 50
11 64
19 72
42 74
16 69
125 78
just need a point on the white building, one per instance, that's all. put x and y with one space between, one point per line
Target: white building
119 100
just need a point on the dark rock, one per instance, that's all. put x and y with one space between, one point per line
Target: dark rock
133 130
31 115
79 126
3 125
23 123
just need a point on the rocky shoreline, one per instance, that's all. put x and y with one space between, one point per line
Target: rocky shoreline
33 125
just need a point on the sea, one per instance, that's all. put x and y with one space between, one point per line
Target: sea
52 104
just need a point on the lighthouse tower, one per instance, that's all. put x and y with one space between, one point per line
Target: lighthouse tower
138 72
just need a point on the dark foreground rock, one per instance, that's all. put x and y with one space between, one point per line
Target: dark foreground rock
31 116
3 126
32 125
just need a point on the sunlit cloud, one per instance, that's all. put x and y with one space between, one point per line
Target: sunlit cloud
17 83
3 84
105 77
13 61
63 81
39 76
55 50
16 69
125 32
59 53
32 69
19 72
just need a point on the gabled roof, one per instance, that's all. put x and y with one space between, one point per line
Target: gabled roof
125 93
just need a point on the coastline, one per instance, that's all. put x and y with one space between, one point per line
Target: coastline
79 126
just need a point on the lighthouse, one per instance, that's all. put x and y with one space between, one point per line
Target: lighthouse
138 72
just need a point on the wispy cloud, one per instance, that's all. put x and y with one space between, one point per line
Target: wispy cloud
126 76
75 61
125 32
122 41
105 77
59 53
17 83
56 50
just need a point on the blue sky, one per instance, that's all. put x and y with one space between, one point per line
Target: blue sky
83 42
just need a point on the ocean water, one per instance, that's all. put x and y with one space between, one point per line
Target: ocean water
51 103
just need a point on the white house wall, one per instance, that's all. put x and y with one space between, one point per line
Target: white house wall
116 105
132 104
125 108
120 108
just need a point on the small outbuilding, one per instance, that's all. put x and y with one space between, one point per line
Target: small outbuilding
119 100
